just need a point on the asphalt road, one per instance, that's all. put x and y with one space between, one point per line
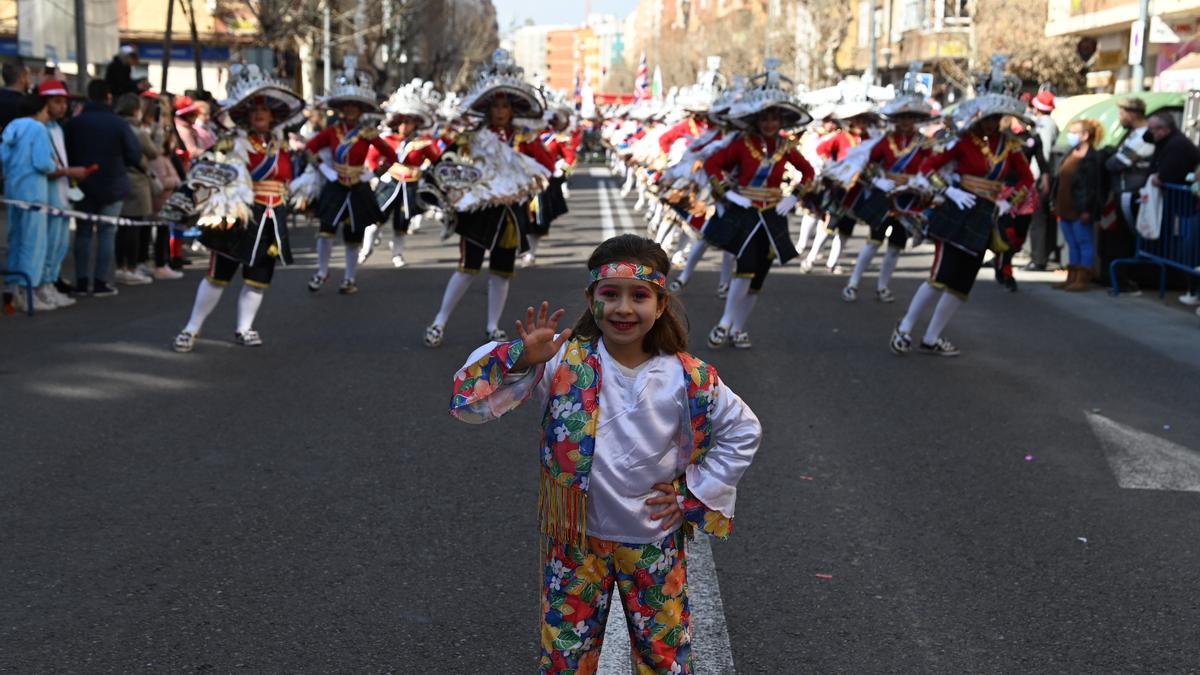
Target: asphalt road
310 507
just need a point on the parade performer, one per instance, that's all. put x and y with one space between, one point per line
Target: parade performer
250 235
642 445
346 201
857 118
551 203
989 164
410 111
720 134
492 216
823 127
892 161
754 225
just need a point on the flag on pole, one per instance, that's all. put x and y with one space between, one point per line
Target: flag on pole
656 89
641 85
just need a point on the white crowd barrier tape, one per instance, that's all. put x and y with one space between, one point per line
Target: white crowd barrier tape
83 215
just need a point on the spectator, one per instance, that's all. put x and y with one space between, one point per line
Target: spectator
1174 155
1079 199
1043 235
205 137
28 159
186 111
164 168
99 137
12 95
1130 164
138 203
58 230
119 73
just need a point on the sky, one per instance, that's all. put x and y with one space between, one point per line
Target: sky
568 12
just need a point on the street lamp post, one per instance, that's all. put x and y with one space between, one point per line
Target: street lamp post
1139 68
872 47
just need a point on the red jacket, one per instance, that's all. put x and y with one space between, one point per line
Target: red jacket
837 145
751 152
1001 159
688 129
896 147
269 165
411 153
332 137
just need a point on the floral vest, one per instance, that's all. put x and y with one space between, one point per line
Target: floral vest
569 435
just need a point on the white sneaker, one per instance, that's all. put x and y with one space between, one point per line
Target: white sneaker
127 278
145 269
365 253
398 261
528 260
806 266
1189 299
57 298
41 302
166 273
850 293
434 335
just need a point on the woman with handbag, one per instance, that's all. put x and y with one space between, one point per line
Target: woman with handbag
1078 199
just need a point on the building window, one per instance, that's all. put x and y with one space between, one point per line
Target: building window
914 15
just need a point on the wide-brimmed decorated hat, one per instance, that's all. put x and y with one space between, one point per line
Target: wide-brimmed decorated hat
766 92
352 86
416 100
909 102
249 88
998 95
502 77
700 97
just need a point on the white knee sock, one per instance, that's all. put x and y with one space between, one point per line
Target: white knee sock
945 309
728 263
818 242
863 262
249 300
398 241
888 267
534 241
807 223
925 295
739 288
351 261
694 257
835 250
207 296
497 296
368 244
459 282
743 314
324 253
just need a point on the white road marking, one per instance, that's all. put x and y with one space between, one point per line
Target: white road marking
606 216
711 653
1142 461
622 213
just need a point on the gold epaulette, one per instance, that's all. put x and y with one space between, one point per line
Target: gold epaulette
368 134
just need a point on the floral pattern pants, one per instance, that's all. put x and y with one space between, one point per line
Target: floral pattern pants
651 580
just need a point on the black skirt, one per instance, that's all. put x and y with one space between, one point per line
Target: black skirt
484 227
354 205
254 242
731 230
551 205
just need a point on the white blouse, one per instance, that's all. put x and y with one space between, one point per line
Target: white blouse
644 437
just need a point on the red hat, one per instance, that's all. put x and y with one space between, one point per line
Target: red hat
53 88
1044 102
184 105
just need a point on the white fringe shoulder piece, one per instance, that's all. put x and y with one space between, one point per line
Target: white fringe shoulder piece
508 177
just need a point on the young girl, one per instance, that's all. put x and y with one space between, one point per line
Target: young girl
642 444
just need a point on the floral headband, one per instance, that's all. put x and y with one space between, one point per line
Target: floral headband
627 270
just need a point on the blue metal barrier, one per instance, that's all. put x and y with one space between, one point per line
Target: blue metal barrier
1178 243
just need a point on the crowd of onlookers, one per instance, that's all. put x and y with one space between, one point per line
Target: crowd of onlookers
119 151
1091 192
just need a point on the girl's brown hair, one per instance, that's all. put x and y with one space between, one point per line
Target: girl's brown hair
1093 129
669 334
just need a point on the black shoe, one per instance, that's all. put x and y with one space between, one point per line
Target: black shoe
63 287
1035 267
81 288
1010 284
101 289
942 347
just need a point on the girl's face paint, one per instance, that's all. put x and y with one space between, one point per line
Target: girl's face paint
625 309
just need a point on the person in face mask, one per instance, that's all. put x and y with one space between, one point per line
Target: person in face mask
1174 155
1078 199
